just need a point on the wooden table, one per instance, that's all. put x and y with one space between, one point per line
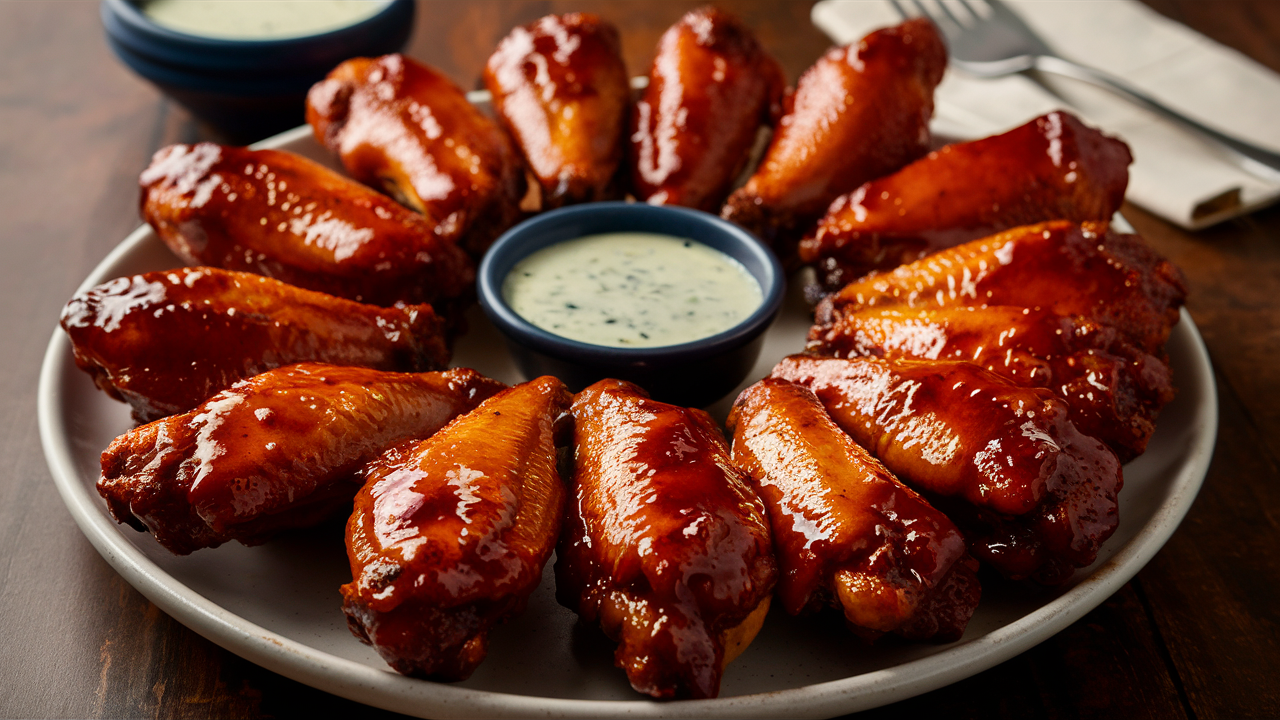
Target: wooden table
1195 634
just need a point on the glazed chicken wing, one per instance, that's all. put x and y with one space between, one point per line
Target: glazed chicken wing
665 543
404 127
711 88
846 533
281 215
862 111
560 86
1043 496
1053 168
277 451
168 340
449 535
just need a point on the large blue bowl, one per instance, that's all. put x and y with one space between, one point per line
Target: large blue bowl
693 374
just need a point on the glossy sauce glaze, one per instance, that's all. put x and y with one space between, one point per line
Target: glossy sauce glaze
712 86
846 533
260 19
632 290
665 542
560 86
449 534
168 340
278 451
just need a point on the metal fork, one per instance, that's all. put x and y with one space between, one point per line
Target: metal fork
987 39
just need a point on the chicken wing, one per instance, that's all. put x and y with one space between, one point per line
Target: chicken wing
449 535
666 544
1082 269
560 86
277 451
1043 496
404 127
1113 390
862 111
846 533
281 215
168 340
1053 168
711 88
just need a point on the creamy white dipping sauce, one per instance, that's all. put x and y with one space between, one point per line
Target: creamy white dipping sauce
259 19
631 290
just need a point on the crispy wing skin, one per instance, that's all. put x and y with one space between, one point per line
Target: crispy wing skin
862 111
711 88
1062 267
281 215
1113 390
404 127
1045 493
846 533
560 86
166 341
1053 168
665 543
449 535
277 451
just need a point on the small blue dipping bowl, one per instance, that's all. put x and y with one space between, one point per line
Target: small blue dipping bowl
248 89
692 374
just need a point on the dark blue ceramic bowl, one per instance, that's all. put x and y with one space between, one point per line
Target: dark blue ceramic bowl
693 374
248 89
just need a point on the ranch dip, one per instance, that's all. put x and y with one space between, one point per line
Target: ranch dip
631 290
259 19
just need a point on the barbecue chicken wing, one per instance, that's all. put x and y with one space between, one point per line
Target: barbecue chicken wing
168 340
711 88
862 111
846 533
1065 268
404 127
560 86
281 215
665 543
1113 390
1053 168
277 451
449 535
1039 497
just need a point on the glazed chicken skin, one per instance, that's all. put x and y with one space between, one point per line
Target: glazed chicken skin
449 535
846 533
281 215
1113 390
560 87
1043 495
404 127
664 543
280 450
1052 168
711 88
168 340
861 112
1068 269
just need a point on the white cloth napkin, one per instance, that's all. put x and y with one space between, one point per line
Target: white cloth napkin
1175 174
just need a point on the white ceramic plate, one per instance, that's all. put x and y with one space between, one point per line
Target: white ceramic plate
278 605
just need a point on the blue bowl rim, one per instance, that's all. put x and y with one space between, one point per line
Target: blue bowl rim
518 240
128 13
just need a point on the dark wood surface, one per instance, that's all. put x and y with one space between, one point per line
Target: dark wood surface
1196 634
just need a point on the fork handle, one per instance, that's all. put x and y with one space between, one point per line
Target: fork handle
1249 157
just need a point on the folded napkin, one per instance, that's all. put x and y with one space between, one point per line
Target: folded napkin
1175 174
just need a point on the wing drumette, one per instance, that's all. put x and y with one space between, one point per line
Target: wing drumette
710 89
666 544
449 535
560 85
404 127
279 450
846 532
168 340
